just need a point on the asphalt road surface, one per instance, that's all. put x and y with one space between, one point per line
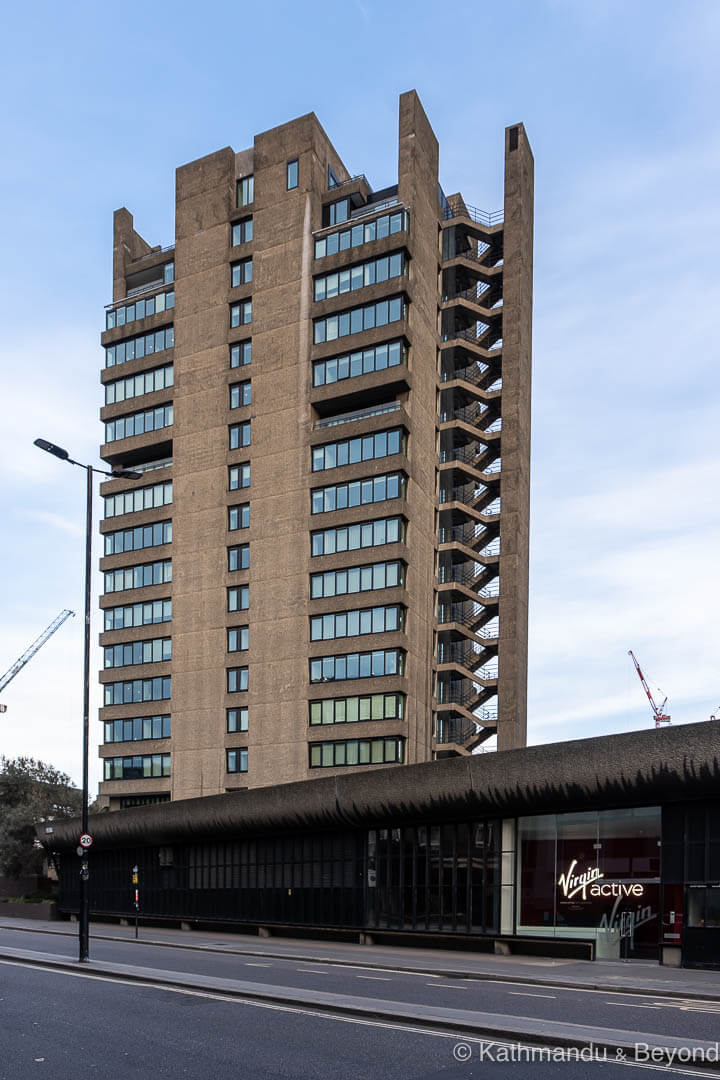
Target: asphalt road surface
68 1026
677 1017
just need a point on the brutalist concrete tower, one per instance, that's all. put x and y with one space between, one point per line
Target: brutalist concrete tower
326 388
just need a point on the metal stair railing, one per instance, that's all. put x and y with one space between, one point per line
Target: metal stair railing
468 535
462 652
456 730
453 613
470 414
469 456
473 292
458 572
458 208
472 374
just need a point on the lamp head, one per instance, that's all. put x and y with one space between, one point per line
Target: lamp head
125 474
51 448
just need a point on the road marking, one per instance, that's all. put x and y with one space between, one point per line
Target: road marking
692 1007
249 963
374 978
312 971
447 986
522 993
631 1005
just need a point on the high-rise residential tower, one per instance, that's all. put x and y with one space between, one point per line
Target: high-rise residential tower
326 388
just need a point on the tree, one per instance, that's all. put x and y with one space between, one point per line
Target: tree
30 791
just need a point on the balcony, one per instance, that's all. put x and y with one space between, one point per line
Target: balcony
360 414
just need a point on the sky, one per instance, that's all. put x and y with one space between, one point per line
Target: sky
103 102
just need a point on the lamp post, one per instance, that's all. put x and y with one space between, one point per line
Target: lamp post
128 474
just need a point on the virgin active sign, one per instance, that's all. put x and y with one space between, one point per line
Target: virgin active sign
589 885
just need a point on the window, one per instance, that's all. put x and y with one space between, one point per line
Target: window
357 622
153 651
137 499
368 665
139 423
358 493
239 517
241 273
237 679
337 212
138 577
237 760
357 752
241 313
353 710
242 232
382 575
137 729
239 476
138 347
363 448
239 435
240 394
246 191
351 365
137 768
144 536
238 638
351 278
292 174
357 319
240 354
144 281
127 313
362 233
364 534
147 382
332 178
239 557
135 690
238 598
122 618
237 720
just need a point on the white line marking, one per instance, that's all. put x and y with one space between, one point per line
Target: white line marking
249 963
447 986
374 978
522 993
312 971
631 1005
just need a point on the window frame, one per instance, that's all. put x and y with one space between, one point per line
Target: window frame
243 226
243 185
241 760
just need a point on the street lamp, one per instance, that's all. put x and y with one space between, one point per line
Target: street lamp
127 474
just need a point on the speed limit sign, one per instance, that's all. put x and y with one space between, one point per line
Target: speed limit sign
86 840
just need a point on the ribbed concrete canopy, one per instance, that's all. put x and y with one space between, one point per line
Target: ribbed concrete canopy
638 768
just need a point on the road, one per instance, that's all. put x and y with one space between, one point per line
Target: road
655 1015
75 1023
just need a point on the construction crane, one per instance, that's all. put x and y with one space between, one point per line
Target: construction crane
660 716
30 652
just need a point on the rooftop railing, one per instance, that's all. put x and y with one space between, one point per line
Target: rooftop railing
455 207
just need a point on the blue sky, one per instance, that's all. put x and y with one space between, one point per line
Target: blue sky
620 104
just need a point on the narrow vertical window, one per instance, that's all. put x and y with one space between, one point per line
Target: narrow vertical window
292 174
246 191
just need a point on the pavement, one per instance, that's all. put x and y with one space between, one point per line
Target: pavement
633 977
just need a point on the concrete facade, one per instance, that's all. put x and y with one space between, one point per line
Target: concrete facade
460 391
